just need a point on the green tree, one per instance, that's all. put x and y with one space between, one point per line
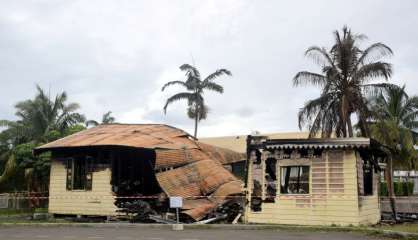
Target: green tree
195 88
394 118
40 120
394 121
39 116
107 118
345 82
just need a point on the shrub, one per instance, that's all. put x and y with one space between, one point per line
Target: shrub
400 188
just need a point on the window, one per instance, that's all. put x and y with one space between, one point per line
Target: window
367 179
79 173
270 180
294 180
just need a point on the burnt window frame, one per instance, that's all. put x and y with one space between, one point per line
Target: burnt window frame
289 167
270 181
86 178
368 180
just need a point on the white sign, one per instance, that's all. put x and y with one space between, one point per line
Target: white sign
176 202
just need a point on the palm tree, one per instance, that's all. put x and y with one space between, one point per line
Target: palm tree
345 82
37 119
41 115
394 120
107 118
195 87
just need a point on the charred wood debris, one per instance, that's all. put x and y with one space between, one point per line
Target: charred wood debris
211 193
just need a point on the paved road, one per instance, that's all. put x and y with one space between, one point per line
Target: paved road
89 233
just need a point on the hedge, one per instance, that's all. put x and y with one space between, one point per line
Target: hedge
400 188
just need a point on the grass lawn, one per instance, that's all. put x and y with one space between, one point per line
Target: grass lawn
8 212
404 227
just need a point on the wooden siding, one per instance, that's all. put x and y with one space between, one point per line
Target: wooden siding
369 207
333 197
99 201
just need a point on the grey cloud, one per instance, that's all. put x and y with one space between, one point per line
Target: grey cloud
114 55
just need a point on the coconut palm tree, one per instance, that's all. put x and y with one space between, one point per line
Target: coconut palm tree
393 123
41 115
195 87
39 120
345 82
107 118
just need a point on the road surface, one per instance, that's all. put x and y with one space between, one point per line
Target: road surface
131 233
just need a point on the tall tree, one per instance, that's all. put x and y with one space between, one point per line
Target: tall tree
39 116
394 122
345 82
107 118
40 120
195 88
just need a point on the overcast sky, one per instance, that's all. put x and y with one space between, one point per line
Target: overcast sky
116 55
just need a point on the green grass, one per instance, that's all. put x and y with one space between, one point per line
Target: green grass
7 212
404 227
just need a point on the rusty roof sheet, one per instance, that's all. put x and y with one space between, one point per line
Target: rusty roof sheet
174 147
172 158
205 184
207 174
223 155
199 208
130 135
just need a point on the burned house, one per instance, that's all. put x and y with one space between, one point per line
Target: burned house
313 181
100 170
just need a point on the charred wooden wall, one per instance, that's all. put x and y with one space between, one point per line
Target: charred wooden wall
333 193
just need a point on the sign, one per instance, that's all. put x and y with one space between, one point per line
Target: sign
176 202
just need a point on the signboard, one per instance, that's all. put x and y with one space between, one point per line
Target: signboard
176 202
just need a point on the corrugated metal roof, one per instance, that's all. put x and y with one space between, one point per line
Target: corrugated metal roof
205 185
177 157
208 175
173 146
130 135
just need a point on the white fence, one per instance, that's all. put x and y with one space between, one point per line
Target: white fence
4 201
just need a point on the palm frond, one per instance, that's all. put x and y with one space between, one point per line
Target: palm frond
177 97
190 70
181 83
217 74
319 55
6 123
374 52
305 77
375 89
372 71
213 86
9 169
311 108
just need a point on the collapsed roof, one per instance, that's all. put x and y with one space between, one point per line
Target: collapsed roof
196 169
